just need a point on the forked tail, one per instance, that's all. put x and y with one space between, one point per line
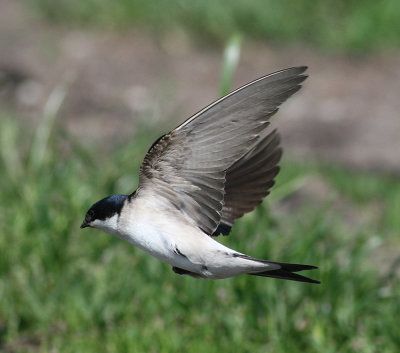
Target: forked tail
287 271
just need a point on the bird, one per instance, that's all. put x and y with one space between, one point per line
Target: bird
196 180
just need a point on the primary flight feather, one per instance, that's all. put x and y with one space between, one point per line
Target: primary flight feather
199 178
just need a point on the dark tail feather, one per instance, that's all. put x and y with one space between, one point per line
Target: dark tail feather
285 272
286 275
293 267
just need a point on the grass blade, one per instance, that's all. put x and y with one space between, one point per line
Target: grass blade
229 63
43 131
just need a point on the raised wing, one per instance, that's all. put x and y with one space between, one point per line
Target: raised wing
190 165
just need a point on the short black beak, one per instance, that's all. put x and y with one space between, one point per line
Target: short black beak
84 224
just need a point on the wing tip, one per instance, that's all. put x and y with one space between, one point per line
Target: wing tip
301 68
296 70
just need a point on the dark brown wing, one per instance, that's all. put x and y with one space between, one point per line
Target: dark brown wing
188 166
248 180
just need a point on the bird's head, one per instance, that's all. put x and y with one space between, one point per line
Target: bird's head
104 214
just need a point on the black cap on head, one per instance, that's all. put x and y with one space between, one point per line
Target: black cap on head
103 209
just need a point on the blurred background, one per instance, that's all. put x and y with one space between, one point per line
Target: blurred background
87 86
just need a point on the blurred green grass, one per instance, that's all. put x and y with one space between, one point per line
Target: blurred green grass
67 290
335 25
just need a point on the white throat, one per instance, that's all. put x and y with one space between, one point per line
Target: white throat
109 225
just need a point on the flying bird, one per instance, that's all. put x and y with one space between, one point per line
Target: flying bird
196 180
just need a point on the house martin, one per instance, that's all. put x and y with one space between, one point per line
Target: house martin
196 180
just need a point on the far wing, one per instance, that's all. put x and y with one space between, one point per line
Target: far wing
249 180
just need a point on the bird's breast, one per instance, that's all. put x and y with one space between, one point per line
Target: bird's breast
155 229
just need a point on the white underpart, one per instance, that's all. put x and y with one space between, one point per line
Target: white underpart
164 232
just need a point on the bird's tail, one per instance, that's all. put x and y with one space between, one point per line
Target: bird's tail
287 271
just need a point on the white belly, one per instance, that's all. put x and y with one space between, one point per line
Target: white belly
166 234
